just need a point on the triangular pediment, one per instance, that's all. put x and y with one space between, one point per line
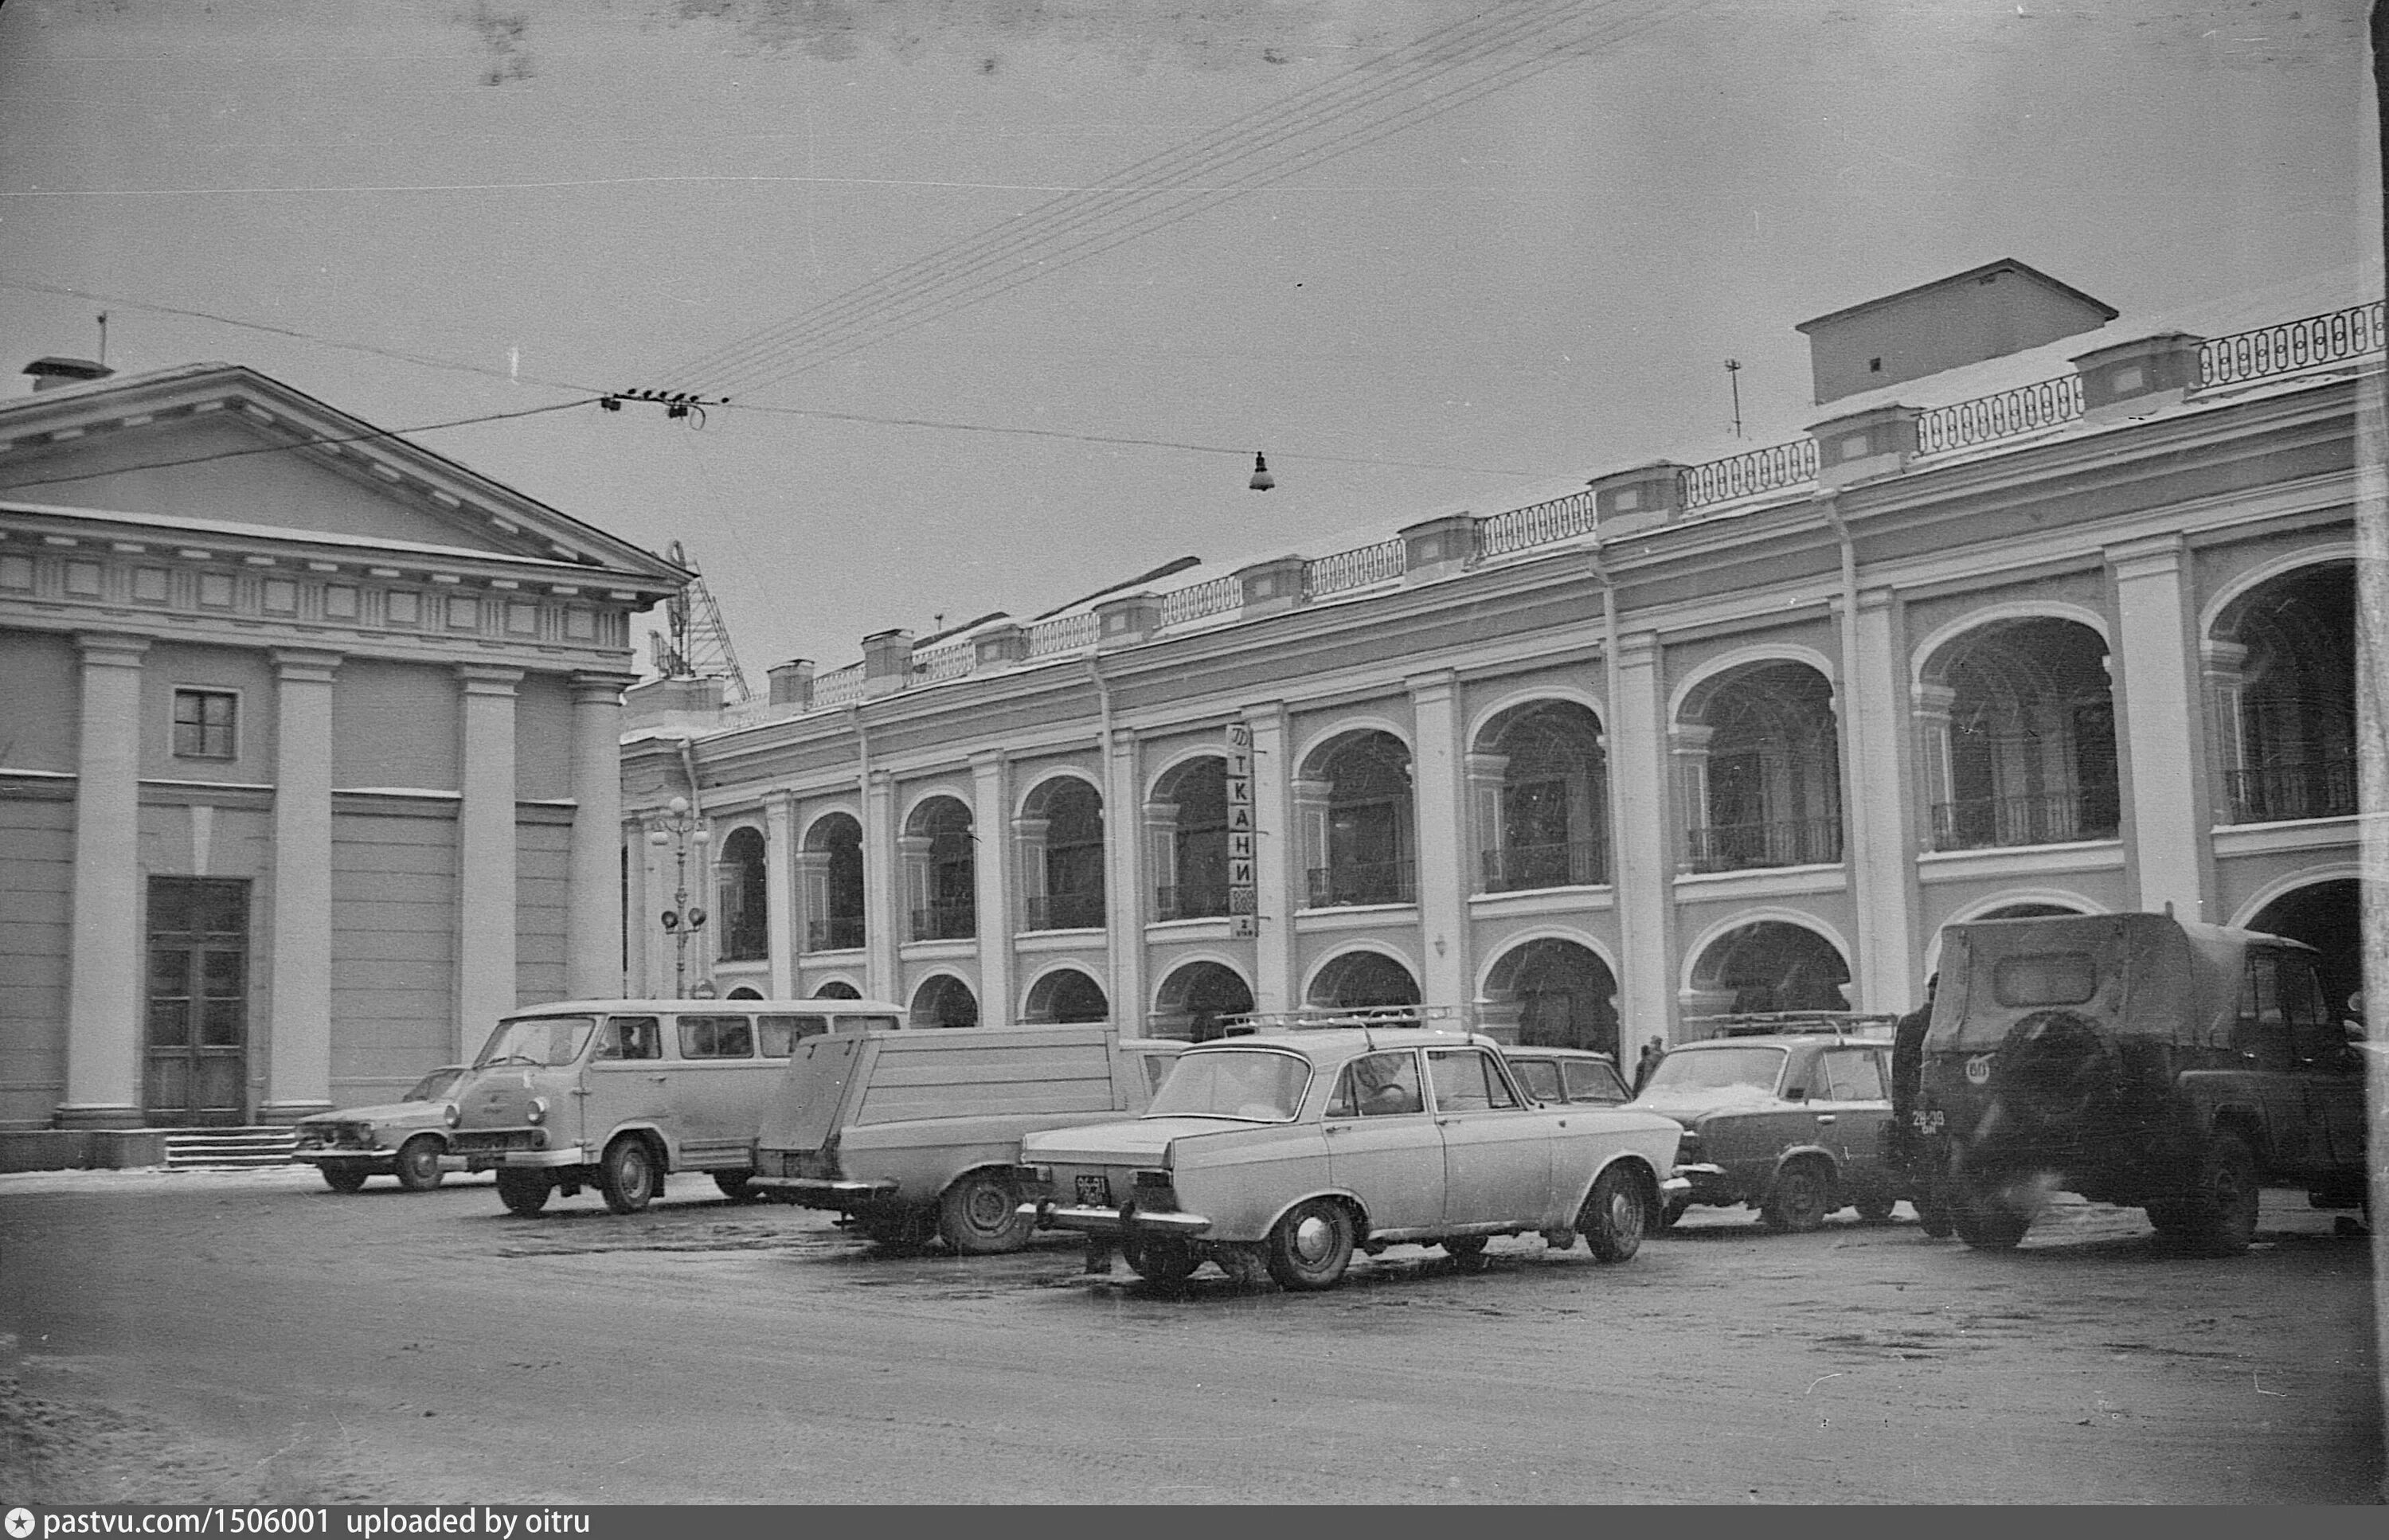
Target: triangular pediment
224 443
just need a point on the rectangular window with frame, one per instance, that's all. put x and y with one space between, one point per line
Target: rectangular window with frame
717 1038
205 724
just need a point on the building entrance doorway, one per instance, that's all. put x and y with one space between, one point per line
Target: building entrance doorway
195 1072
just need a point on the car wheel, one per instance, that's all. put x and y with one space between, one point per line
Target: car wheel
980 1214
2223 1210
738 1186
418 1163
2171 1220
343 1176
1984 1219
1613 1214
1312 1245
523 1192
1164 1260
1803 1196
627 1175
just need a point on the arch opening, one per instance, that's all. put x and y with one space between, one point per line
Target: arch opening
1553 993
1767 966
1067 994
1546 822
944 1001
2327 916
837 989
1196 998
1190 847
1364 978
1761 760
2026 754
1358 827
1063 836
2282 666
832 864
742 898
941 871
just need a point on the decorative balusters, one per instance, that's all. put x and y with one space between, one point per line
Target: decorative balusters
1758 470
2292 346
2002 415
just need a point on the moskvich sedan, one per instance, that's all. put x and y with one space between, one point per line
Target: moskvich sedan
1285 1152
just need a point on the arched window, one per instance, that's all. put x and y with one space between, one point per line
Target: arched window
831 869
945 1000
1189 819
941 867
1541 795
1061 851
1561 993
1762 770
2030 736
1769 966
837 989
1358 823
1192 1001
1067 994
1364 978
744 899
2283 671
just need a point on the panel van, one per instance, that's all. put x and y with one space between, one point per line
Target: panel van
916 1133
616 1094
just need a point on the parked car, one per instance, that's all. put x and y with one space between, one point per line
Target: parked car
1791 1124
615 1094
1554 1076
918 1133
2136 1059
406 1138
1284 1151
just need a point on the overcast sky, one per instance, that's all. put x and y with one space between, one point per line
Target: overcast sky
1495 296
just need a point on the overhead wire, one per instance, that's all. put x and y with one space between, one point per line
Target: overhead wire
1069 228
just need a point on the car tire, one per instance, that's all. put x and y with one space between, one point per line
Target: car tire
1803 1196
1615 1213
418 1163
979 1215
627 1175
2171 1220
1312 1245
523 1192
1164 1260
738 1186
2222 1211
1932 1211
344 1175
1985 1220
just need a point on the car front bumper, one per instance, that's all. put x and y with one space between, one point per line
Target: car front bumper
1114 1221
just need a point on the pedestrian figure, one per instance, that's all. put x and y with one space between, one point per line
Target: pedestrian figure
1652 1051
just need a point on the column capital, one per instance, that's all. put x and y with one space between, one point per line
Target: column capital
305 665
2153 557
987 761
481 679
111 649
1638 650
1436 686
1690 737
1932 700
1486 766
600 689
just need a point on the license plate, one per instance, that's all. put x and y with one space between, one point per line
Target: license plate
1095 1190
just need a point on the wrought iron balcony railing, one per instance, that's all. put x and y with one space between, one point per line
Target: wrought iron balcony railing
839 933
2050 817
2274 793
1190 902
745 940
1573 863
1782 842
1064 911
1363 882
949 921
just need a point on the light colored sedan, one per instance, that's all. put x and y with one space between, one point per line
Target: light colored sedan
406 1138
1285 1152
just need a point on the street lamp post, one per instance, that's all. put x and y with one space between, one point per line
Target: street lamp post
683 920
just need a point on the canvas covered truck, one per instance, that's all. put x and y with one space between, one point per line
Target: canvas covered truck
915 1134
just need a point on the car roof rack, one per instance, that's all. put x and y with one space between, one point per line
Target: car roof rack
1786 1023
1443 1018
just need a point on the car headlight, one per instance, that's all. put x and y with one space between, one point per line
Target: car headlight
450 1115
538 1113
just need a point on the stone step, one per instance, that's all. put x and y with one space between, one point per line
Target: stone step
199 1148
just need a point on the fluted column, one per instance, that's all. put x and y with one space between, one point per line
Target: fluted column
486 861
104 971
594 917
299 1034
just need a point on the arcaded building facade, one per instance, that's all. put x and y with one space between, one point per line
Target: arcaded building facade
2045 611
309 747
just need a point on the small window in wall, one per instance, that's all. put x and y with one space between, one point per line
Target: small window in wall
632 1038
716 1037
204 723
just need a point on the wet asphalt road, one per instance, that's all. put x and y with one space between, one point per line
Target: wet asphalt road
252 1336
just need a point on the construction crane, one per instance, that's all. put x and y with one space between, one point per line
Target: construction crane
699 645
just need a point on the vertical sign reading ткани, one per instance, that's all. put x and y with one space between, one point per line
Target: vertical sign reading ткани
1241 922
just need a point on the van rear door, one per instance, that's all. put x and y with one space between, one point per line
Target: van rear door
804 1115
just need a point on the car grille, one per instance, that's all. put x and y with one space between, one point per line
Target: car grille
477 1141
336 1136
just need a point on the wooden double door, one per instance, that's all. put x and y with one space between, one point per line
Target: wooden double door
196 1065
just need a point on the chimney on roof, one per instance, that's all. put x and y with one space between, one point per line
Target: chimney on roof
50 373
